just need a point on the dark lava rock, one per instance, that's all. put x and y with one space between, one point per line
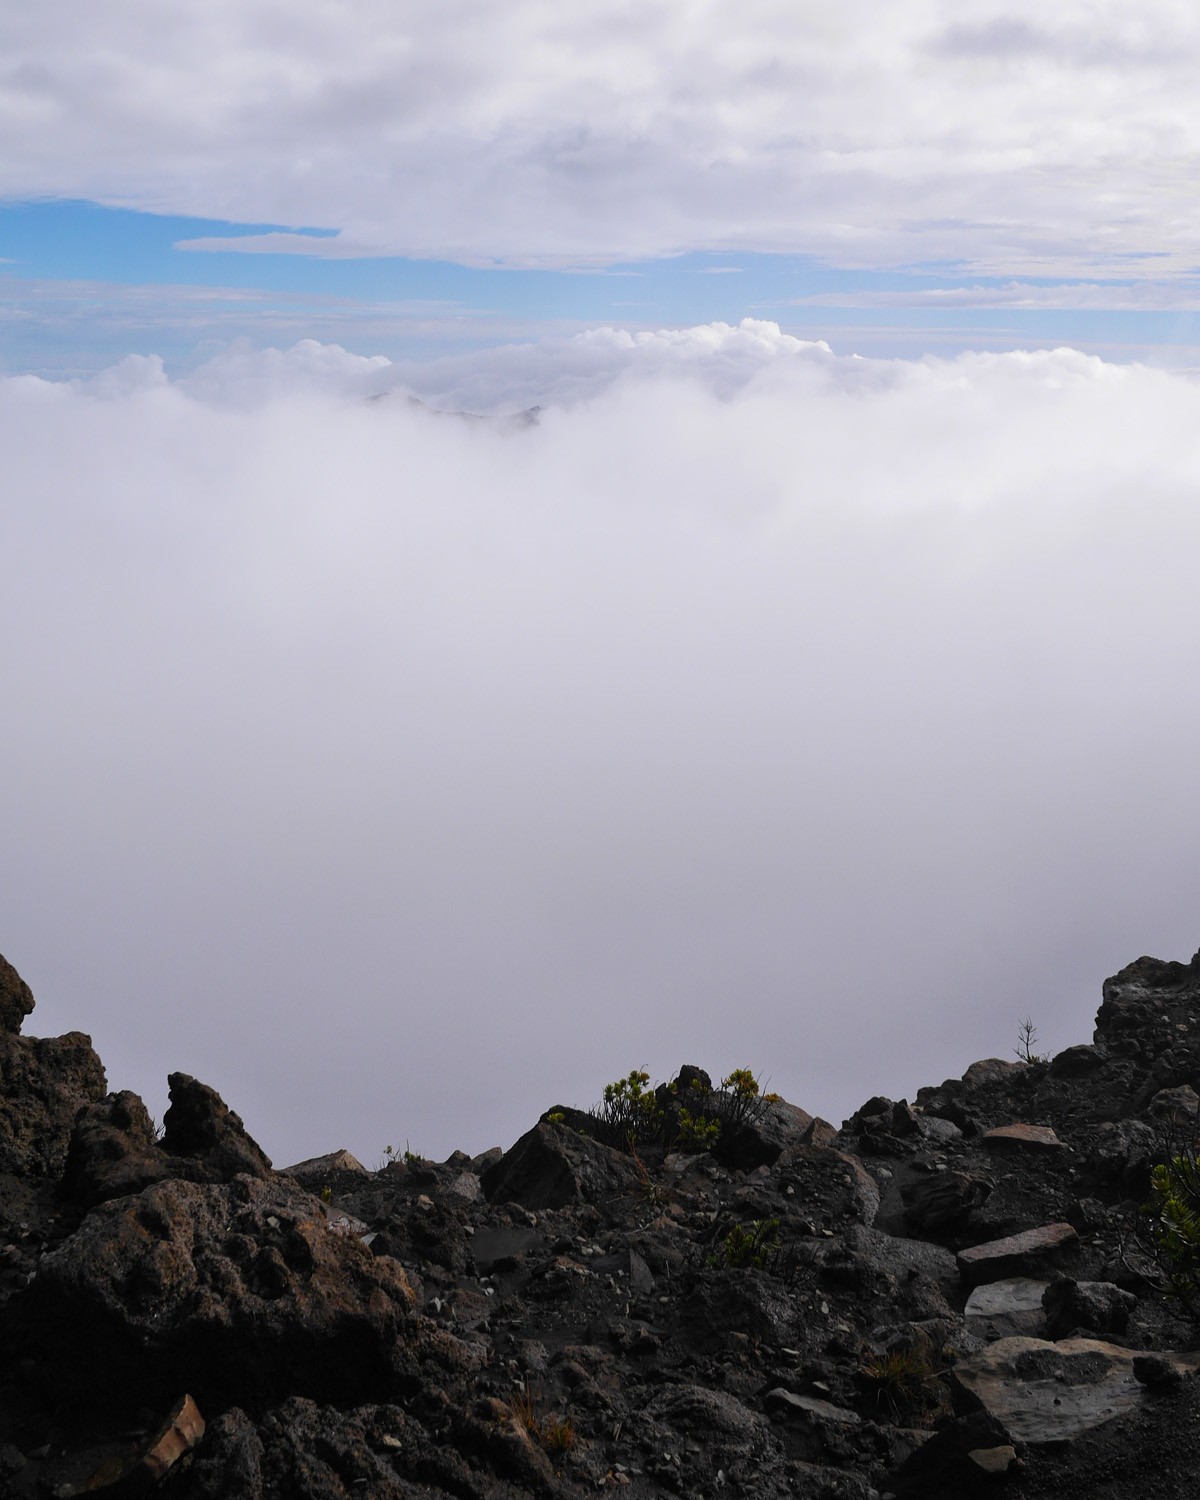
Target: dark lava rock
16 998
237 1292
200 1126
553 1166
1097 1306
44 1081
113 1149
943 1203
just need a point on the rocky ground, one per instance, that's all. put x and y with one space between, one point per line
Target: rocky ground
938 1299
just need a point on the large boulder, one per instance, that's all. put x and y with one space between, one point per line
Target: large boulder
554 1166
760 1143
1099 1307
1041 1393
1030 1253
239 1292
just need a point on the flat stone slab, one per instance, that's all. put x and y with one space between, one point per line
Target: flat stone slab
1021 1254
1011 1308
788 1403
1023 1138
1043 1393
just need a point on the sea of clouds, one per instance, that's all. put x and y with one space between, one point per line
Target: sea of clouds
403 773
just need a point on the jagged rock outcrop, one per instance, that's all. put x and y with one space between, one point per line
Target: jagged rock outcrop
114 1149
939 1299
43 1082
16 998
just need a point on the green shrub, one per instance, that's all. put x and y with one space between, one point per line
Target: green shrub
696 1132
1172 1223
754 1245
629 1111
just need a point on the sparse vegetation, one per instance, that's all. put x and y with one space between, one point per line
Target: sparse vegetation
408 1157
629 1111
696 1132
1026 1037
555 1434
754 1244
898 1380
1170 1221
632 1114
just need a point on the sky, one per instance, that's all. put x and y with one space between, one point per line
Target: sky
547 540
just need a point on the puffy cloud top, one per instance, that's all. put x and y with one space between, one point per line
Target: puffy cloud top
754 705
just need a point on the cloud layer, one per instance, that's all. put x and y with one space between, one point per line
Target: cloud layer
402 775
1013 141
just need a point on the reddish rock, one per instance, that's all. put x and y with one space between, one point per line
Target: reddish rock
1022 1254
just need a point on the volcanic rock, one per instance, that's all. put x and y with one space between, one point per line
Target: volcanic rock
16 998
1047 1393
238 1290
1021 1254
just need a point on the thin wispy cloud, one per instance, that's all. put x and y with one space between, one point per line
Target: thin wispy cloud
1112 297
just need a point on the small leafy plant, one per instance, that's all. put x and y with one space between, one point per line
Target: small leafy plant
754 1245
696 1132
1171 1222
629 1111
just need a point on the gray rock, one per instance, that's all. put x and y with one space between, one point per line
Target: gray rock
1178 1105
1121 1157
1099 1306
991 1070
318 1168
465 1186
1017 1255
780 1402
1029 1139
896 1257
779 1126
934 1128
943 1201
1011 1308
1043 1393
993 1461
1077 1062
838 1178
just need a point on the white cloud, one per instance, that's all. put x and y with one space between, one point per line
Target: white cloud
403 775
1011 140
1089 296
